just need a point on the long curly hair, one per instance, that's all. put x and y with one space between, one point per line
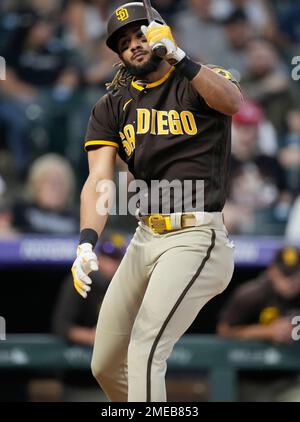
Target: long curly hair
122 78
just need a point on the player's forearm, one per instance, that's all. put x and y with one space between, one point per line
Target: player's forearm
90 215
82 335
95 200
218 92
246 332
97 192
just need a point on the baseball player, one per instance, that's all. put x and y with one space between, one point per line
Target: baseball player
168 118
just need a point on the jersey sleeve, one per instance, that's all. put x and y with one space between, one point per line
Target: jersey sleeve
102 129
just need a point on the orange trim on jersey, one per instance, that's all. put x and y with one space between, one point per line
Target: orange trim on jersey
153 84
108 143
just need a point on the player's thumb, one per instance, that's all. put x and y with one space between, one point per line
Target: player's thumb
91 264
144 30
94 265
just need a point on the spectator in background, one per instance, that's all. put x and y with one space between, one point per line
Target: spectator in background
258 202
85 27
7 192
36 57
195 27
258 13
267 82
168 9
252 114
15 14
47 206
41 74
237 33
99 68
75 319
45 7
289 155
263 309
86 21
289 25
6 229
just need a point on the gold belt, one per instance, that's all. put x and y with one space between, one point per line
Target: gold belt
160 224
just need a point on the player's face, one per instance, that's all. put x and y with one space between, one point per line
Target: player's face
135 52
287 287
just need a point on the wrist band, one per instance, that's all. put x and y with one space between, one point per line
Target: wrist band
188 68
88 236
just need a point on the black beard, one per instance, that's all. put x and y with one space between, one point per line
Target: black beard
143 70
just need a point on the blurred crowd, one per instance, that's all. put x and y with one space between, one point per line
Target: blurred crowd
57 65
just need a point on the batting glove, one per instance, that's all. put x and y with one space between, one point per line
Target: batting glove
85 263
158 34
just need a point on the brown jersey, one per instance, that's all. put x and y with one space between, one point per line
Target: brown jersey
166 131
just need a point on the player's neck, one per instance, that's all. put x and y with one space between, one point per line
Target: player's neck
163 68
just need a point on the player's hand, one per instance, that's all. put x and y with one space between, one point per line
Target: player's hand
158 34
281 330
85 263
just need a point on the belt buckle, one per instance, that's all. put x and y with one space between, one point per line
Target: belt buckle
157 223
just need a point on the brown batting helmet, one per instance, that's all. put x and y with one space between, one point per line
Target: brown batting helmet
123 16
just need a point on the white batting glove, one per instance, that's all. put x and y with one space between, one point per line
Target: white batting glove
85 263
158 34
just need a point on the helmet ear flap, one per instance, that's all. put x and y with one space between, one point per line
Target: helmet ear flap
124 15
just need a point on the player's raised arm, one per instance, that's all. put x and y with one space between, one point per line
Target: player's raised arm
214 85
92 222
